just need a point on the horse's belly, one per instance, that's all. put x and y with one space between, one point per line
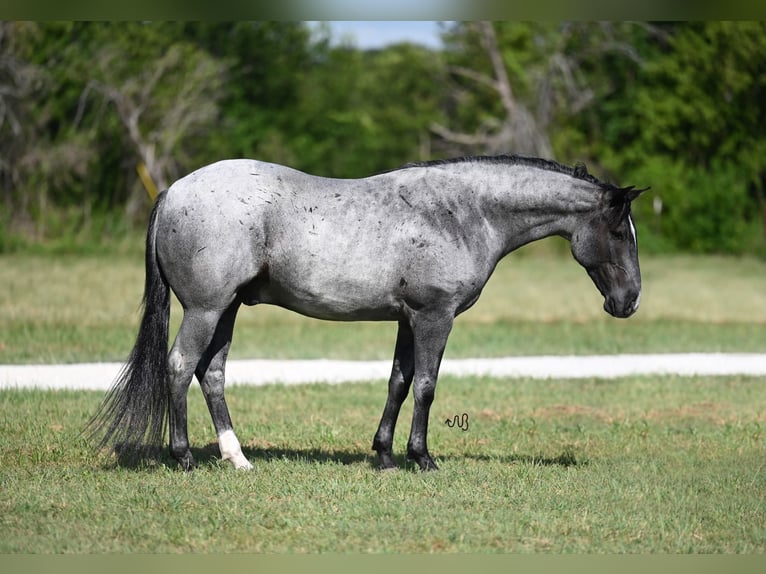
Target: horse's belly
337 299
379 289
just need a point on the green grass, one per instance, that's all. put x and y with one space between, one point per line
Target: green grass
86 309
636 465
633 465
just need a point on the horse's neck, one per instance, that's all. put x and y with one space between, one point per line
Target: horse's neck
524 204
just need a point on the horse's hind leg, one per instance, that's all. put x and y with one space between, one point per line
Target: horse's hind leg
398 387
210 372
193 338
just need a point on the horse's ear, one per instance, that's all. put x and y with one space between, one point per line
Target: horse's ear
624 195
580 170
632 193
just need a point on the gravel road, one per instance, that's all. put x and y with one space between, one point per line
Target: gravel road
99 376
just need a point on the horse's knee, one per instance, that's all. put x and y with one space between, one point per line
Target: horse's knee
212 382
213 378
424 392
176 364
178 376
398 389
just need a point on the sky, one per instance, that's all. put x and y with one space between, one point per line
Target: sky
377 34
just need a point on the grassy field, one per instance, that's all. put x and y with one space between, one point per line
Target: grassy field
68 309
671 465
634 465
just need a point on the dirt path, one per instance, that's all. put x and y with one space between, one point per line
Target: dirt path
99 376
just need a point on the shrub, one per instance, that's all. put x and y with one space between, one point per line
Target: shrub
695 209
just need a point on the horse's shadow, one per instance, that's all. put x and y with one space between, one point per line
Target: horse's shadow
210 456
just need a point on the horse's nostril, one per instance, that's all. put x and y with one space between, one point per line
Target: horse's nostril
632 305
623 308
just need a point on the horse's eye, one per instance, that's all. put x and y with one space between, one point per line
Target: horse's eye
619 234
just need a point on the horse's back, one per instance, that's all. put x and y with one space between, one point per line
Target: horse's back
249 182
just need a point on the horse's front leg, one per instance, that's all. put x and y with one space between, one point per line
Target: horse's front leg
430 337
398 387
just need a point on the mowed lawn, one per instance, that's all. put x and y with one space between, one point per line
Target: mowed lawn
635 465
632 465
75 309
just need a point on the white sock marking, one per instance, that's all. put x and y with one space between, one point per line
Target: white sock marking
232 451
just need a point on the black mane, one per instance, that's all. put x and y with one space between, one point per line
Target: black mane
579 171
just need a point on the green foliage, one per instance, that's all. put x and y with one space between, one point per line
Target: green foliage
703 101
366 112
678 106
694 209
694 135
266 64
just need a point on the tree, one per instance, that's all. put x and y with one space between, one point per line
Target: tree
512 125
17 82
266 67
713 108
523 81
695 134
365 112
678 106
163 103
34 163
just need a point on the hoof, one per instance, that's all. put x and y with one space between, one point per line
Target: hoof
386 461
240 463
184 457
187 462
425 461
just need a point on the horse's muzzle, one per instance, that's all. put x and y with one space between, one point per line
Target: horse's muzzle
624 308
621 295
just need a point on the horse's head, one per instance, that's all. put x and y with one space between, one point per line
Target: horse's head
605 244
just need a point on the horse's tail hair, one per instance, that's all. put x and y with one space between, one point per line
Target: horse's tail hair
132 417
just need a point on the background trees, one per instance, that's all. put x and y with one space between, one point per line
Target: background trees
85 107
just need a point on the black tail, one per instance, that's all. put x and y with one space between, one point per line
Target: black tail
133 414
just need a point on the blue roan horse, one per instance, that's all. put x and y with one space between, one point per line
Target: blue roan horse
414 245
